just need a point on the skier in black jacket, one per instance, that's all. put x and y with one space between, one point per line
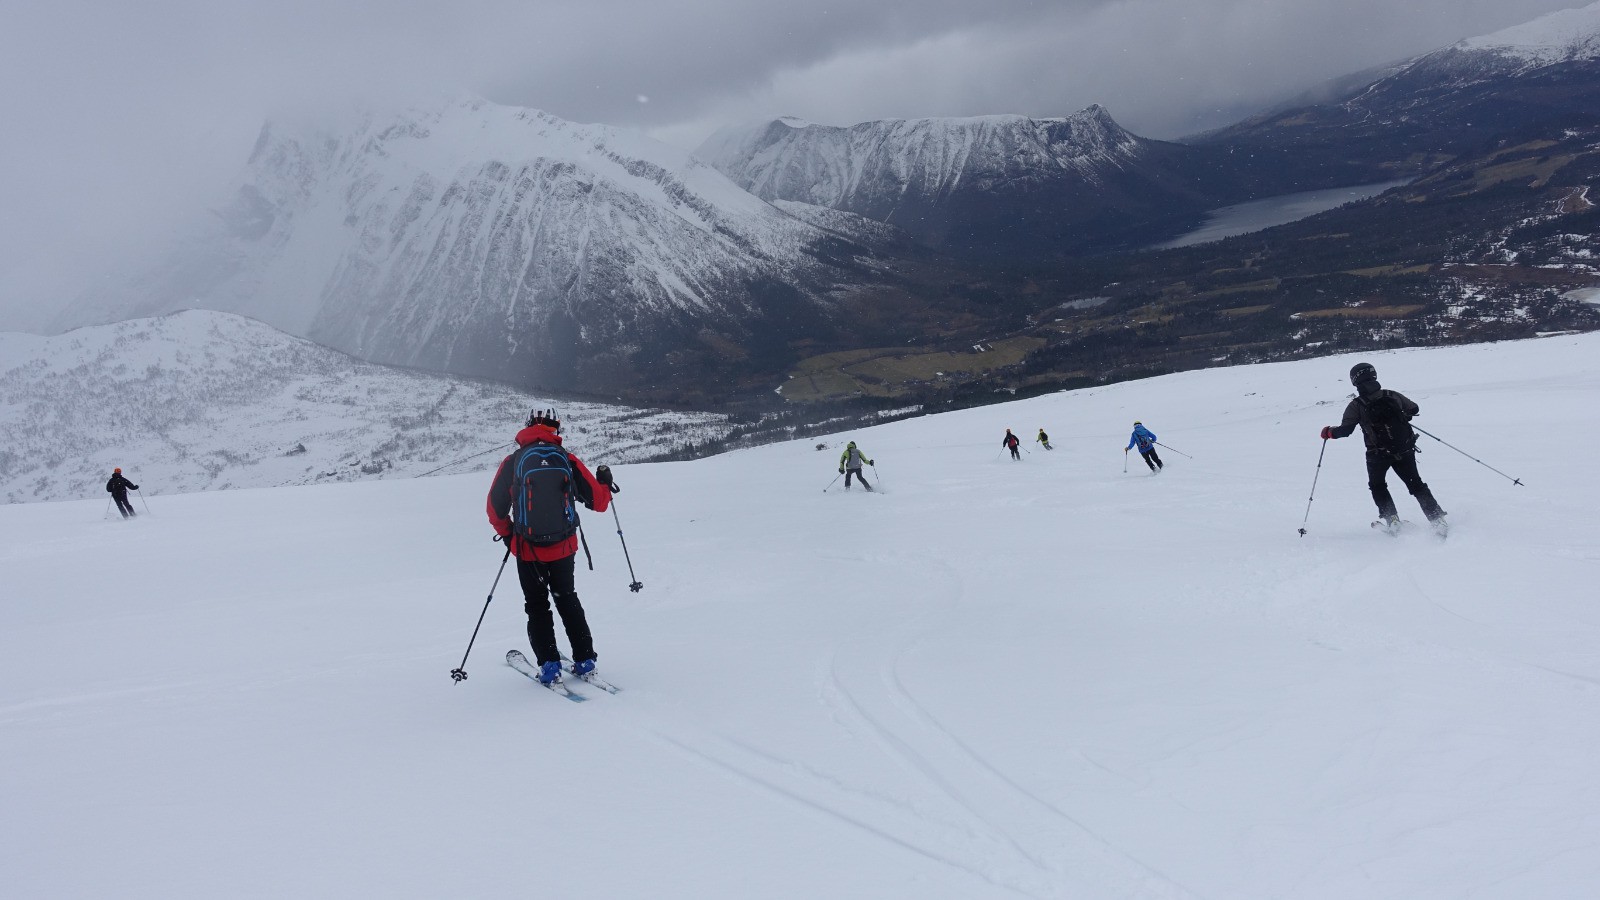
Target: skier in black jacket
1384 417
1012 442
118 487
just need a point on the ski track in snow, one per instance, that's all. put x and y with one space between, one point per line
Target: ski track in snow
920 744
1165 887
911 823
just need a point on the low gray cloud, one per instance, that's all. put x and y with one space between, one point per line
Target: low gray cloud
120 119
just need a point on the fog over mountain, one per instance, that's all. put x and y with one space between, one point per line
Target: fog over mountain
121 119
493 241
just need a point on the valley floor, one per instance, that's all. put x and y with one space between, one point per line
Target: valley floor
1046 678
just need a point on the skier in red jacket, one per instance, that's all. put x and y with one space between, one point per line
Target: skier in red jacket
531 508
1011 442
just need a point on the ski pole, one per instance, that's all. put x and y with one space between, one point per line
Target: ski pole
459 673
1124 462
875 474
584 540
1515 481
107 510
1174 450
636 586
1313 488
143 501
824 490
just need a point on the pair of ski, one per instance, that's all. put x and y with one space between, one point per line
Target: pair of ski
516 660
1440 528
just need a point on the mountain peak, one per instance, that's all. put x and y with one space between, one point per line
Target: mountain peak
1567 34
1002 181
487 240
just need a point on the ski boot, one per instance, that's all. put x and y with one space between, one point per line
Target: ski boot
583 667
1389 523
550 672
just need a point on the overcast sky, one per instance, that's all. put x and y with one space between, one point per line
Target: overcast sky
118 118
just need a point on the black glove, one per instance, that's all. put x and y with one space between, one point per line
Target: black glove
133 487
603 475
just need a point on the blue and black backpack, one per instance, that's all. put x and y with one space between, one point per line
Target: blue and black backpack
542 511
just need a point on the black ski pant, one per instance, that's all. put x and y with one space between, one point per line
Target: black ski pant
1015 453
859 477
1151 459
123 506
1404 465
536 577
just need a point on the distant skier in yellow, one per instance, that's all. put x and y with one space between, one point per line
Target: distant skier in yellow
850 463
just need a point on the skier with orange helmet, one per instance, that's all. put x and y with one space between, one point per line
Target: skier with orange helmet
118 487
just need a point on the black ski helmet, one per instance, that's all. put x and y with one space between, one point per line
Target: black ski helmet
1363 372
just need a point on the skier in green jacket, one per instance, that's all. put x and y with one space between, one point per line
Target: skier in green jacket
850 463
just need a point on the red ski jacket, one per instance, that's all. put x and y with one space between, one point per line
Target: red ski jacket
502 493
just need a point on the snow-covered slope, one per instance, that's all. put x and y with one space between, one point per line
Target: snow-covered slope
1036 679
958 182
487 240
204 400
1516 87
1562 36
1566 37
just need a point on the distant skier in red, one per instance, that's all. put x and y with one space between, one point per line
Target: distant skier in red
1012 442
530 506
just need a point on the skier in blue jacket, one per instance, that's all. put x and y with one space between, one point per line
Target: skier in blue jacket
1145 440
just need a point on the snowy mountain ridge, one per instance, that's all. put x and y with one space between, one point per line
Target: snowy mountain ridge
1569 36
1513 87
488 240
1000 186
864 167
204 400
1561 36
